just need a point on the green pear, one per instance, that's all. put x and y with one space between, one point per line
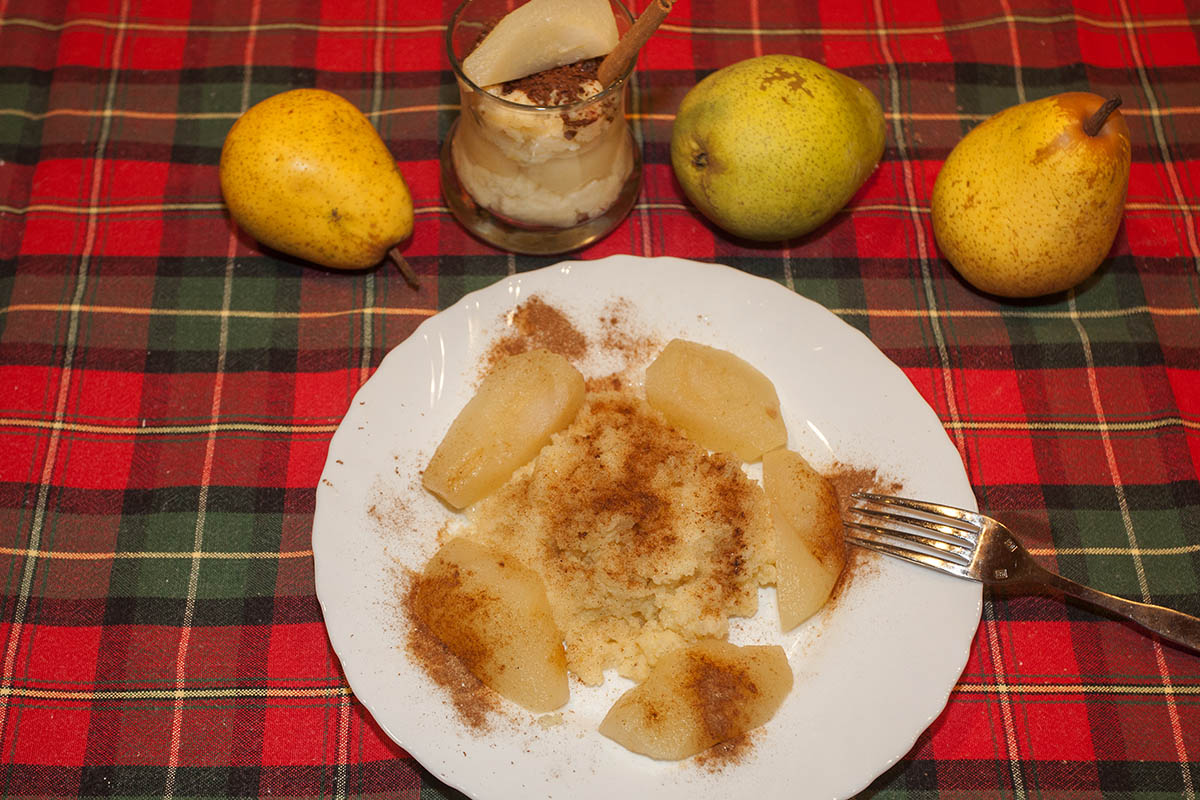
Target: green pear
305 172
1029 202
772 147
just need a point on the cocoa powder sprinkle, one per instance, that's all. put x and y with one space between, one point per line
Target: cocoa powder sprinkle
559 86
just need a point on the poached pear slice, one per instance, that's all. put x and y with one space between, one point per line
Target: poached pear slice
524 401
492 613
718 400
699 696
541 35
810 549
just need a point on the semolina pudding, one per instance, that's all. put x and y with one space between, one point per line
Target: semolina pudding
603 534
645 541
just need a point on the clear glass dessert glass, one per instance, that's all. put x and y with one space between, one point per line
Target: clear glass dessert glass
543 178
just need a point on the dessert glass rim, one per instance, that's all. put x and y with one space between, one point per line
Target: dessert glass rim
456 66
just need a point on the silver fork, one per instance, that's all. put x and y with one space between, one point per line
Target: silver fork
974 546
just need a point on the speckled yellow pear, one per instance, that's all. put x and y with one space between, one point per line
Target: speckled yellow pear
1029 202
305 172
810 549
699 696
492 613
770 148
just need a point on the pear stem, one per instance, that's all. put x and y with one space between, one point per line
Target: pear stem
410 277
1096 121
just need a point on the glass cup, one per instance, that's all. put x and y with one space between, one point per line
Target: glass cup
537 179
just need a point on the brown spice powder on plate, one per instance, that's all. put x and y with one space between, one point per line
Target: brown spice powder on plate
727 753
537 325
847 479
472 700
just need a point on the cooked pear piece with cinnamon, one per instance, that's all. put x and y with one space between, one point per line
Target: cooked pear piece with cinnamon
524 401
718 400
492 613
699 696
810 550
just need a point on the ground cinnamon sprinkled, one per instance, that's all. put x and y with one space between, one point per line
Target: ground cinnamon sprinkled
606 383
858 565
630 523
727 753
720 692
597 491
474 702
618 334
633 490
537 325
388 512
848 479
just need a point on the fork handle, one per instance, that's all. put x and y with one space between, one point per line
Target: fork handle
1174 626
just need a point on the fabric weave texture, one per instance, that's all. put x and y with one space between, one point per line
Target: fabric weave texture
168 388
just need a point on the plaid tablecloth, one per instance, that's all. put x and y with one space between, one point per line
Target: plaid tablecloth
168 390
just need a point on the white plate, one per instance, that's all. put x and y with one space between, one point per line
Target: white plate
871 673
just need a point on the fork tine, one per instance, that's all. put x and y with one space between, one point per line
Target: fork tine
949 533
972 519
949 551
921 559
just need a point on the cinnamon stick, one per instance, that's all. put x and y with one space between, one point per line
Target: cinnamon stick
625 53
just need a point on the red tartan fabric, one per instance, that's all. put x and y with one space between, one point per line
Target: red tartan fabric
168 389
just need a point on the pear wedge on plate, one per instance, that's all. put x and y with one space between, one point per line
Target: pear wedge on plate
699 696
810 551
492 612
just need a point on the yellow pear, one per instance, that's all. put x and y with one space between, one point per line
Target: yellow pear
1029 202
306 173
770 148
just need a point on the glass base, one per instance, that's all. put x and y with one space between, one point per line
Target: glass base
533 239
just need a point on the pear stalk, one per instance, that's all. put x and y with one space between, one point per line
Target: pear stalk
410 275
1096 121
